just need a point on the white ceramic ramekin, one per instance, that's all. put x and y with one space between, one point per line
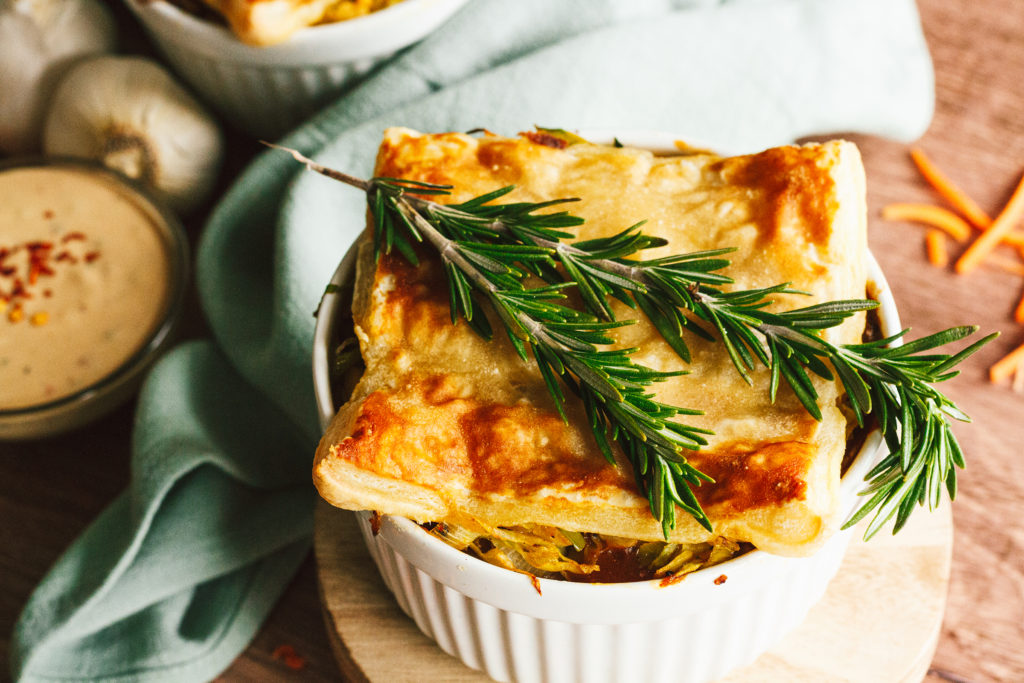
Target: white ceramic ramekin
691 632
265 91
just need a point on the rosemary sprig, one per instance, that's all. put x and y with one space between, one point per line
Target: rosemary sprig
489 249
563 341
892 382
481 262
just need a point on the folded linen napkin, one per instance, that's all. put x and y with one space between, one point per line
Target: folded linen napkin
175 577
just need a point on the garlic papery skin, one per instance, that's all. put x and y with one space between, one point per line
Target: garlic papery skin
39 39
131 115
70 27
22 62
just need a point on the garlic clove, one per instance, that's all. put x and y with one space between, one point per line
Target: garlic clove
22 62
72 28
130 114
39 39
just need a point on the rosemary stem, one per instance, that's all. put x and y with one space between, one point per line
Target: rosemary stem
446 247
499 226
449 252
322 170
615 267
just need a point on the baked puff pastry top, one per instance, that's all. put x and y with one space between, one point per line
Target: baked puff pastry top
445 426
269 22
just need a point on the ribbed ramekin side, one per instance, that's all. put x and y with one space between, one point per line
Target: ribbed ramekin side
685 648
749 627
411 601
386 560
461 615
265 100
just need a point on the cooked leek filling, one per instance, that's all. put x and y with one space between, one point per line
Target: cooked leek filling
552 553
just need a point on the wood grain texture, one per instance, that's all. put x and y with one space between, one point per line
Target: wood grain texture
878 621
977 137
49 490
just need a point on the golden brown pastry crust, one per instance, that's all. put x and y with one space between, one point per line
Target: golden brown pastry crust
446 426
268 22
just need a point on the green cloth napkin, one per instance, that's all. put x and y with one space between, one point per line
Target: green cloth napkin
174 578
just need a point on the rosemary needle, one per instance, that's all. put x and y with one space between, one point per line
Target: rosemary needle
490 249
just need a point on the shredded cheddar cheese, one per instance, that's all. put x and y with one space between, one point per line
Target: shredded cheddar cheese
942 222
935 216
1018 314
1014 238
1002 225
935 242
1007 365
953 194
1018 379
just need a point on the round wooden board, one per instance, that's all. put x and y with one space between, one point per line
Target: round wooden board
879 620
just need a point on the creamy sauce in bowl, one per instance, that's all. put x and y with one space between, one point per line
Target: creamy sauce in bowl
86 275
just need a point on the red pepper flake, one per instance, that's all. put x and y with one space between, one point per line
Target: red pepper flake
536 583
39 254
39 246
42 262
37 269
375 522
288 655
19 290
671 580
721 579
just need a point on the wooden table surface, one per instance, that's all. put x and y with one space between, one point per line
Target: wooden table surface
50 490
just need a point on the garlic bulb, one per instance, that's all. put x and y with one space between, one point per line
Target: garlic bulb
38 41
129 113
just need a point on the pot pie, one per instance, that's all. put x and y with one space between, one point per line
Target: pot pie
460 434
268 22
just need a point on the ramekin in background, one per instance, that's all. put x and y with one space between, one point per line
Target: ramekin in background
694 631
266 91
